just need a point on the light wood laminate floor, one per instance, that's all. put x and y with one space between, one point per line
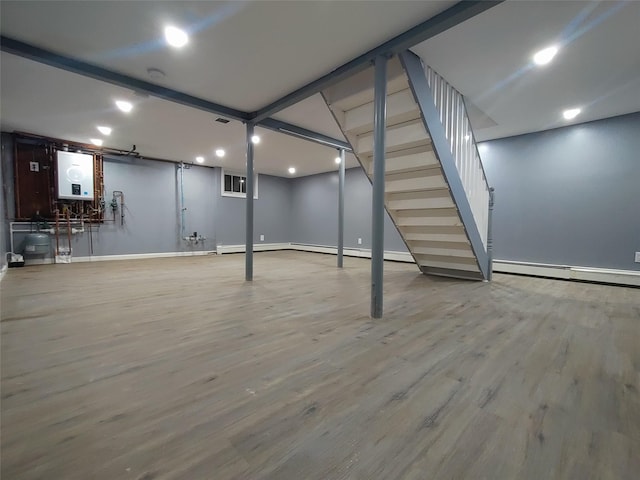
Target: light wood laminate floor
177 369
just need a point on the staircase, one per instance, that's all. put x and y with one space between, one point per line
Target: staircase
436 191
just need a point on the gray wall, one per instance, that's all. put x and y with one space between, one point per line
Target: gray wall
271 211
568 196
152 209
314 212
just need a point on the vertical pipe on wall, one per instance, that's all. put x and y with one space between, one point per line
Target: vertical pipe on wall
341 208
182 208
249 212
490 233
377 206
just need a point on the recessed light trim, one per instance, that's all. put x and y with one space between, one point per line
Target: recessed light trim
200 159
156 73
292 170
125 106
220 153
544 56
255 139
571 113
97 141
104 130
175 36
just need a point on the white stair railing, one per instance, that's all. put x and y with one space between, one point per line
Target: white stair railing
453 115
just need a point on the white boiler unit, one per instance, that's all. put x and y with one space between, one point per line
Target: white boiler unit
75 176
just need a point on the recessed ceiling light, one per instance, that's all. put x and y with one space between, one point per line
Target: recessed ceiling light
124 106
292 170
338 160
545 55
255 139
220 152
104 130
176 37
571 113
200 159
156 73
97 141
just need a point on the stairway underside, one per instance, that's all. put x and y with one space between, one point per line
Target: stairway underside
417 195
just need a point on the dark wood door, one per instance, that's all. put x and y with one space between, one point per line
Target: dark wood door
33 181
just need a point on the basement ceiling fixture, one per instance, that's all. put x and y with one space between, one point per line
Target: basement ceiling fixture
156 73
571 113
200 159
545 55
292 170
220 153
222 120
175 37
126 107
255 139
97 141
104 130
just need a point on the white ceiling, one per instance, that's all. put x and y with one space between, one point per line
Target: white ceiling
244 54
247 54
59 104
488 59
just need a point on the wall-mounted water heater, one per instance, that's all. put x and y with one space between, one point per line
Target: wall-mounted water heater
75 176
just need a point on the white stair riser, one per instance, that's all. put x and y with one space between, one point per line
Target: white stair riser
404 136
443 252
419 203
405 163
448 265
413 184
401 107
435 237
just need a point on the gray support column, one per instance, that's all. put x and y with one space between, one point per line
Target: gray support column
490 234
341 209
377 207
249 200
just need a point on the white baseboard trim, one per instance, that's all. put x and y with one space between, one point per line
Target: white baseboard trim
140 256
568 272
257 247
353 252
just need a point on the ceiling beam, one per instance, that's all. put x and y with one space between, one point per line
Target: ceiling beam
16 47
299 132
22 49
443 21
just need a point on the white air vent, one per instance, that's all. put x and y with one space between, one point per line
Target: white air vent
75 176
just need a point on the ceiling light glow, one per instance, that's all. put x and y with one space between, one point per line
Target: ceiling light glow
104 130
200 159
545 55
571 113
338 160
97 141
220 153
175 37
126 107
292 170
255 139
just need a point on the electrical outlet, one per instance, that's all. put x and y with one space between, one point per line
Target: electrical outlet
359 241
262 238
637 260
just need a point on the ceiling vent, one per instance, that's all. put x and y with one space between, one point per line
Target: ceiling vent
222 120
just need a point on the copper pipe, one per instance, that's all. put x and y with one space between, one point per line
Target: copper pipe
57 232
69 230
